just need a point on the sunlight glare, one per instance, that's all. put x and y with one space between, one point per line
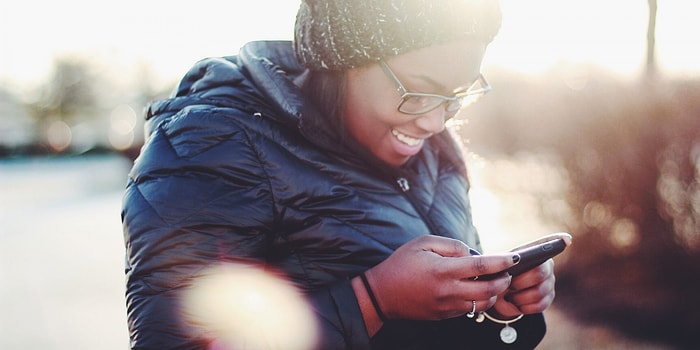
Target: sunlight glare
169 37
539 34
677 39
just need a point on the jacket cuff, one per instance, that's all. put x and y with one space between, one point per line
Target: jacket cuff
339 317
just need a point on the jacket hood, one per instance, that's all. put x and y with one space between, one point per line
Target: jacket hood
260 79
263 79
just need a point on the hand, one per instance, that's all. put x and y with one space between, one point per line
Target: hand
431 278
529 293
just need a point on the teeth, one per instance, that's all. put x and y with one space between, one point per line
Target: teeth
405 138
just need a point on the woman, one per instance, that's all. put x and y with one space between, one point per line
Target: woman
327 160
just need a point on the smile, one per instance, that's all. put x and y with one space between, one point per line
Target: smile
411 141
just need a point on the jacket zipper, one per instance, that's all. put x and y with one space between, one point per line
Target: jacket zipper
403 184
405 188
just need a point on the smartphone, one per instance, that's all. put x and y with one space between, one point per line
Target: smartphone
535 253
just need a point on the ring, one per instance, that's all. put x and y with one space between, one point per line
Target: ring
472 313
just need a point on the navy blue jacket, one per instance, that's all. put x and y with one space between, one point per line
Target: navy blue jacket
239 167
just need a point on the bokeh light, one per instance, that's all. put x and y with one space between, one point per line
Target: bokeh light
59 135
121 127
244 307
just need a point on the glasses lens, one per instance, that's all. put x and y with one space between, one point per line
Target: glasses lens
419 104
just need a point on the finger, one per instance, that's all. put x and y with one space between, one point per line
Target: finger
466 307
444 246
505 307
484 293
538 305
481 304
481 290
485 266
533 277
532 295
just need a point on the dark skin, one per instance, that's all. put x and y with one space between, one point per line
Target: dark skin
431 277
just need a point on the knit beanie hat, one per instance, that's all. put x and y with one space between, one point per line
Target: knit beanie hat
342 34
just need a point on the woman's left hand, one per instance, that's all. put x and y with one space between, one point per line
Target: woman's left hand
530 292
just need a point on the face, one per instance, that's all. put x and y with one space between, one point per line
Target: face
371 114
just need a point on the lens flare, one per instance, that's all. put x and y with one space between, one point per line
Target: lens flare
244 307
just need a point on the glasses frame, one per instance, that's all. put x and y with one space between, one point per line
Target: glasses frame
452 104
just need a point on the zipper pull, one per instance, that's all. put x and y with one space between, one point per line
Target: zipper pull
403 184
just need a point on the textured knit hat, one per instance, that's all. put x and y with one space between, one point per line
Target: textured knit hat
343 34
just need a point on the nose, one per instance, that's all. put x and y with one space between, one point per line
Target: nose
432 121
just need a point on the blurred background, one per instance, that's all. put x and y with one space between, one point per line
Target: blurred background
593 127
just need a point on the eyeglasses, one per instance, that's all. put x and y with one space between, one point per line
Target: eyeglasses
415 103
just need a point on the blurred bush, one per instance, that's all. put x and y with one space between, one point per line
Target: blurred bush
80 108
631 151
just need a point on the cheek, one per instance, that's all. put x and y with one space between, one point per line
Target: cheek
367 129
369 98
370 110
369 119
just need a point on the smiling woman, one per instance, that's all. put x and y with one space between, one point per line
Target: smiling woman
299 157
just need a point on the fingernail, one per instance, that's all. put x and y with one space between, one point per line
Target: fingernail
473 251
516 258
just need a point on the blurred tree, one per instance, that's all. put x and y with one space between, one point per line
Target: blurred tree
76 108
69 93
634 193
651 39
69 97
143 89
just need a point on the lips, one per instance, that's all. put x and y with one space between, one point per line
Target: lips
411 141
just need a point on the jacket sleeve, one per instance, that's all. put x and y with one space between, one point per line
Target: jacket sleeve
340 319
197 196
185 209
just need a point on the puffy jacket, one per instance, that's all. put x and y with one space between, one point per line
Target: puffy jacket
238 167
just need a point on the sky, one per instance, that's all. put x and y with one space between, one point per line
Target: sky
169 36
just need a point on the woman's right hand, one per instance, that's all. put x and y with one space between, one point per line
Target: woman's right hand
432 278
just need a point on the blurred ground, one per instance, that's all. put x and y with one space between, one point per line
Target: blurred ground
61 251
61 254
